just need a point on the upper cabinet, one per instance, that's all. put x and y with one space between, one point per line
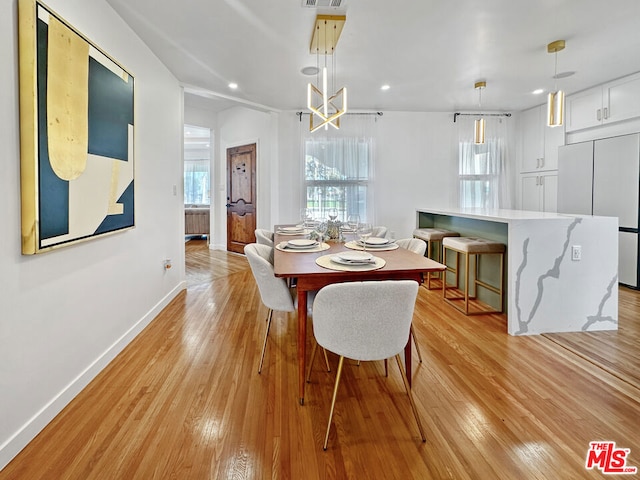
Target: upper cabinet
539 142
612 102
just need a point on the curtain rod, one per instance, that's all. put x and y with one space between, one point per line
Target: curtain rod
379 114
455 115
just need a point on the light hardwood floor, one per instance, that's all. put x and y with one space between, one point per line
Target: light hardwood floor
185 401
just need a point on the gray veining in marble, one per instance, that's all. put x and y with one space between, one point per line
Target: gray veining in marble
592 319
553 272
525 245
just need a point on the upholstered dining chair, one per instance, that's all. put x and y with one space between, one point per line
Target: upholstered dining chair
264 237
365 321
379 231
274 292
416 246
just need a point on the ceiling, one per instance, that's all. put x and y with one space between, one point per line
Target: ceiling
430 52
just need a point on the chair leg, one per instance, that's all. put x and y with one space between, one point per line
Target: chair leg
326 359
266 335
413 405
313 356
333 401
415 342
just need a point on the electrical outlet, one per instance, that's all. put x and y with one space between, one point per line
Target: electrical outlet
576 253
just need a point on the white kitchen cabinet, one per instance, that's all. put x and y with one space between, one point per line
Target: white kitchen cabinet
532 140
539 142
623 99
627 249
616 170
602 178
539 191
612 102
575 179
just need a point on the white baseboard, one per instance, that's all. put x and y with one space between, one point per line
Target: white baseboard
10 448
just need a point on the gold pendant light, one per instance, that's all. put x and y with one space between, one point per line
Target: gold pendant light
478 133
555 100
325 36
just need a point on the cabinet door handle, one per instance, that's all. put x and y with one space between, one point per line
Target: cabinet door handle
599 115
542 162
606 113
541 181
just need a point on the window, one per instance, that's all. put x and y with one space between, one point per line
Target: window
197 154
337 175
479 174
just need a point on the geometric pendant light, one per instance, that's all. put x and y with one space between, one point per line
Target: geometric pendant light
478 132
325 107
555 100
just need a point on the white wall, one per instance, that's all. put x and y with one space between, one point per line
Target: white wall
66 313
416 165
413 167
241 126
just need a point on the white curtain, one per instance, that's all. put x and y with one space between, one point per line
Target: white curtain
483 177
338 167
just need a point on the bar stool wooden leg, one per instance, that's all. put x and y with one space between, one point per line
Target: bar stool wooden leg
429 256
466 281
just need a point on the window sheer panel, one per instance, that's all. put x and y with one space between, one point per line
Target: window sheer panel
338 170
483 170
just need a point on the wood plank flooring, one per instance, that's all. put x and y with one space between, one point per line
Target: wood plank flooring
185 401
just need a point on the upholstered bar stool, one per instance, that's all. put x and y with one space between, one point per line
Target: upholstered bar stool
433 236
471 246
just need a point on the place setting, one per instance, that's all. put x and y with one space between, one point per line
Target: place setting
351 261
372 243
302 245
293 230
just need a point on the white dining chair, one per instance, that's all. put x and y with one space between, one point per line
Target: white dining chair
274 292
264 237
418 246
414 245
379 231
365 321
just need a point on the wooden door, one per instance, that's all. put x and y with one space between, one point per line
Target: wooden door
241 197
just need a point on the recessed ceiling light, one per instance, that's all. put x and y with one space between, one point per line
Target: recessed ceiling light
538 91
563 74
233 86
385 87
310 70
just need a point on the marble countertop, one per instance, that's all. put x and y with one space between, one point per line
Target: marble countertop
496 215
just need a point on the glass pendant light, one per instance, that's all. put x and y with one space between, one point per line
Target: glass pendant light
555 101
478 134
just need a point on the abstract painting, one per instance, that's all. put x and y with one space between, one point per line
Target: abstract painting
76 135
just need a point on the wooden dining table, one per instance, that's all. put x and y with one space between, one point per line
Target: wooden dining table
401 264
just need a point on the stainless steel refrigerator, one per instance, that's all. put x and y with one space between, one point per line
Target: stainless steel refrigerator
602 177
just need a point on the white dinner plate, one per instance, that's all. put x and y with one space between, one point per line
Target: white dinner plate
302 243
291 229
354 256
376 241
337 259
373 246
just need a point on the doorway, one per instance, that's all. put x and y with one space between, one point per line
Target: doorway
241 197
197 181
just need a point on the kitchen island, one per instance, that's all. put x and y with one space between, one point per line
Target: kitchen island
546 290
